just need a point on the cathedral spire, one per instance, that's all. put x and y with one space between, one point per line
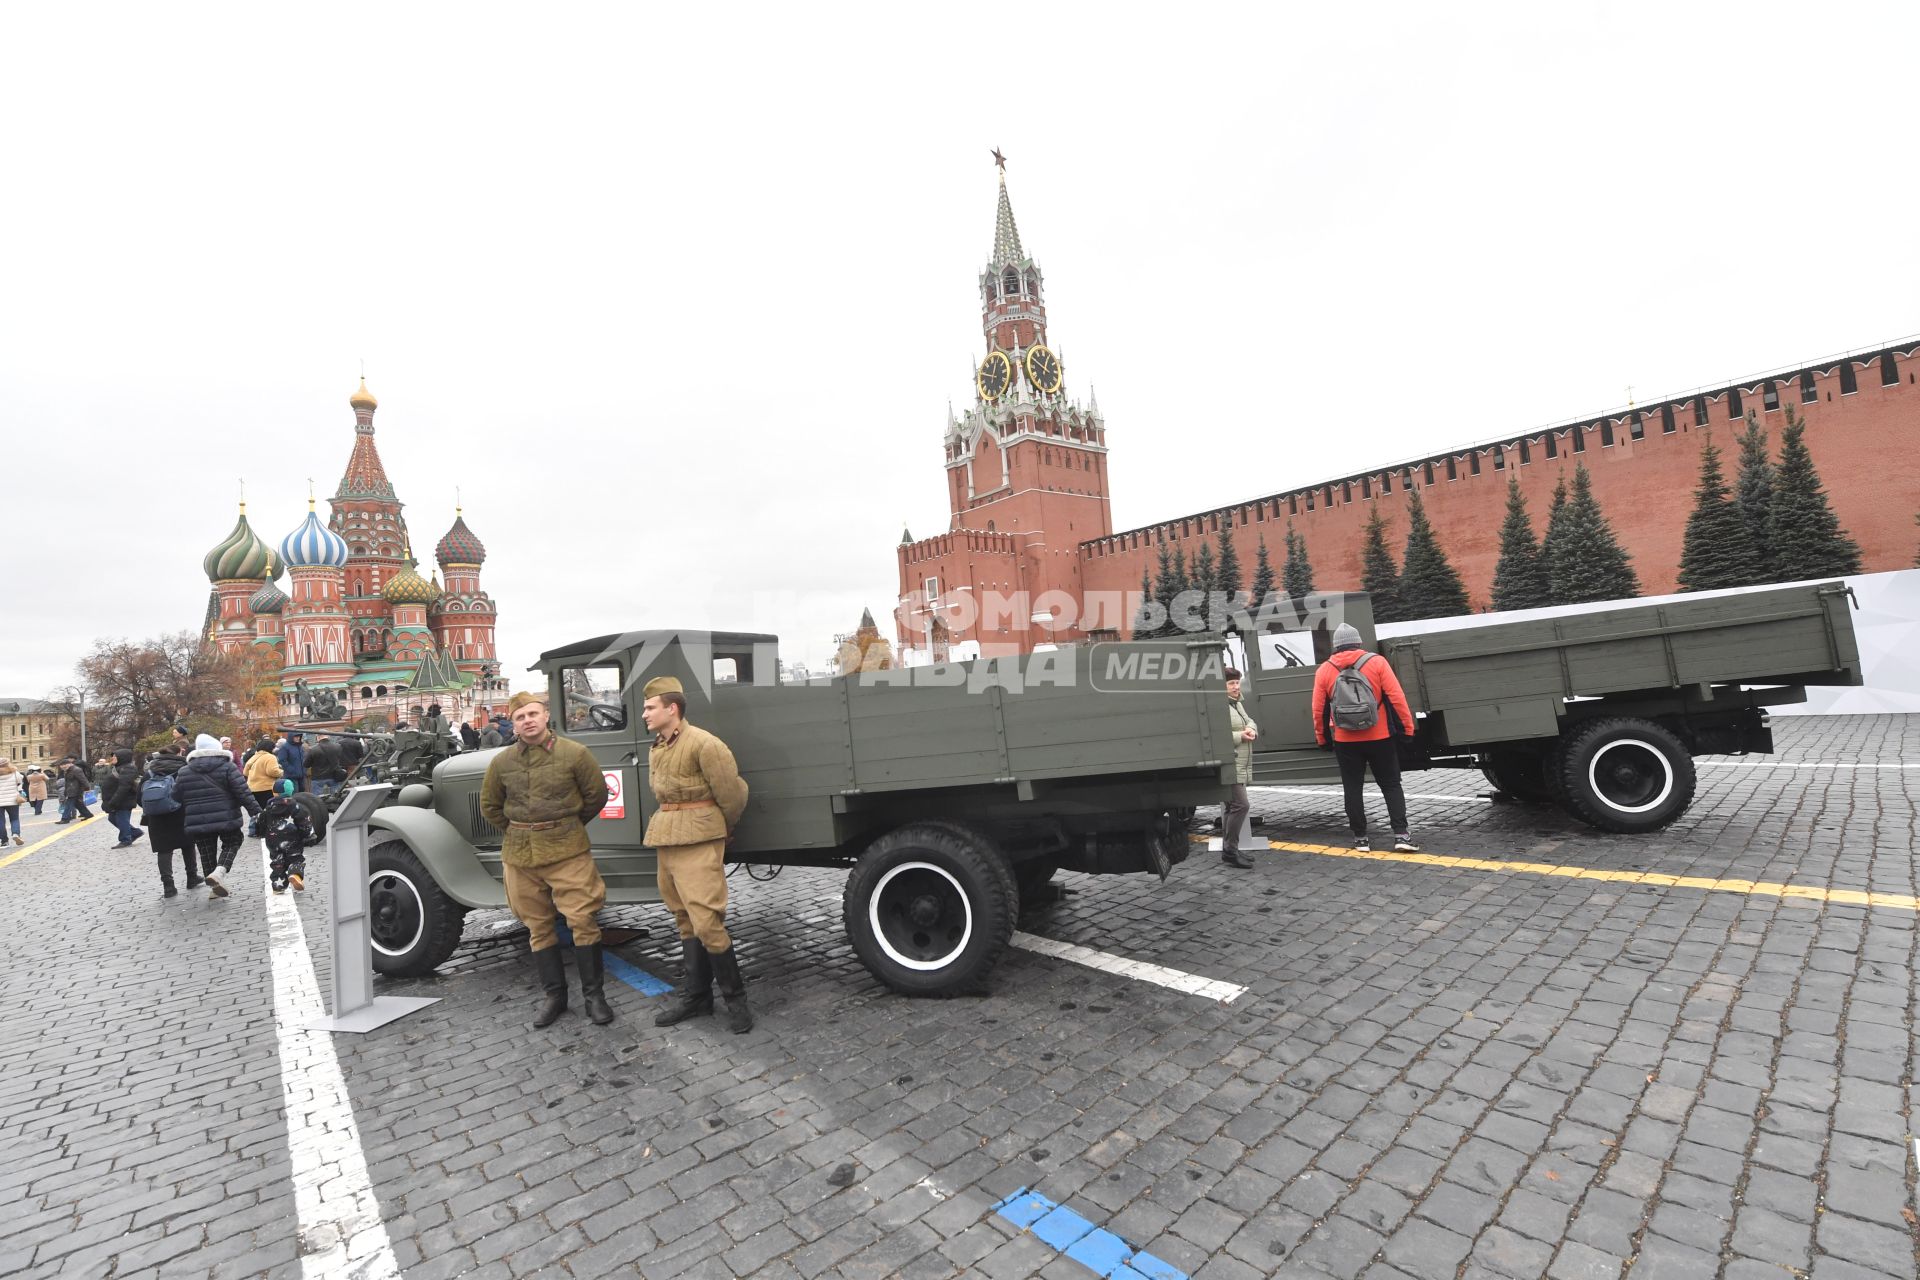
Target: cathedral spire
366 476
1006 236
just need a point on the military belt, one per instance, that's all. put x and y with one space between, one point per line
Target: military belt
675 806
540 826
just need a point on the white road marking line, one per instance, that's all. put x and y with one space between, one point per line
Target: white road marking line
1159 975
1793 764
340 1231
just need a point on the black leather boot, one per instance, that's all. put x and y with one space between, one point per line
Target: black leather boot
166 877
191 861
726 971
553 981
593 982
695 996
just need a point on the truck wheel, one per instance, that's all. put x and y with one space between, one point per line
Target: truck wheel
1625 776
415 927
1521 774
929 908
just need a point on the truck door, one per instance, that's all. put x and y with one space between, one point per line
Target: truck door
592 709
1278 693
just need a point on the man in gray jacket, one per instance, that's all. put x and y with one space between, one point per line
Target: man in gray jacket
1244 732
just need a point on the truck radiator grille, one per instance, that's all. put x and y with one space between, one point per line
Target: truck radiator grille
478 830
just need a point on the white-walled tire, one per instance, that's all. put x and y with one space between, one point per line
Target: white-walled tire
1626 776
414 926
929 908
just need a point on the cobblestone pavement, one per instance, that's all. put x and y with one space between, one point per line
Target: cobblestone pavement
1436 1073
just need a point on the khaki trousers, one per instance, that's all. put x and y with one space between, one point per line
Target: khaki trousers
573 885
693 884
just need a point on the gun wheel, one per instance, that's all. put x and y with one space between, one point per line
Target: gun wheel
929 908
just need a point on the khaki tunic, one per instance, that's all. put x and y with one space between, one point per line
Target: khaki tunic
695 766
560 783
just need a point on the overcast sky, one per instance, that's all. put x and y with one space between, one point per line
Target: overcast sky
680 301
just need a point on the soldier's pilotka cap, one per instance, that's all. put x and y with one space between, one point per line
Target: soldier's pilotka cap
661 684
523 698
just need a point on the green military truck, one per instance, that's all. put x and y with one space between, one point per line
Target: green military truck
951 793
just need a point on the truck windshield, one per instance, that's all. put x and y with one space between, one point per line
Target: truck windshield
592 698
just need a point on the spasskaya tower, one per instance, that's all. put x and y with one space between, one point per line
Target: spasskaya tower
1026 483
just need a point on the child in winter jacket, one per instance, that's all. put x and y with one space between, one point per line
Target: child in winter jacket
288 831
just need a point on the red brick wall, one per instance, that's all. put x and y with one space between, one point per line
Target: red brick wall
1865 445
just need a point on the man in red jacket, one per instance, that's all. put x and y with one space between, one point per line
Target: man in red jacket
1362 737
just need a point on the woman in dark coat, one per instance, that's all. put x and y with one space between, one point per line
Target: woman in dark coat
168 831
212 793
120 794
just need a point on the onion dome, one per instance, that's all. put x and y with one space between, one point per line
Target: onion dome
408 587
241 554
459 546
363 398
313 545
268 599
276 567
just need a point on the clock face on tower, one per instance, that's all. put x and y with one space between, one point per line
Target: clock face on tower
1043 369
995 376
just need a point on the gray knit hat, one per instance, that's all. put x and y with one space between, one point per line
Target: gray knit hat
1346 636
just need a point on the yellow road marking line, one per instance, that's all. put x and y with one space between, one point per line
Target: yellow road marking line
1759 888
44 841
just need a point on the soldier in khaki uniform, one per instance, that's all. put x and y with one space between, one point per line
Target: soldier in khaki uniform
542 791
701 796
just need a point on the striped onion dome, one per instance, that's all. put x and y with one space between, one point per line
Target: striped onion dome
408 587
268 599
241 554
459 546
313 545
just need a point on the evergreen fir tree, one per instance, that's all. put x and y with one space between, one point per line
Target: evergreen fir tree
1144 627
1227 575
1378 577
1520 579
1807 539
1717 552
1177 618
1753 491
1205 575
1262 576
1429 586
1556 529
1167 585
1297 576
1588 561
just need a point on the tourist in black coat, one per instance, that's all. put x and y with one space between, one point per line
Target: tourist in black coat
168 831
119 793
212 793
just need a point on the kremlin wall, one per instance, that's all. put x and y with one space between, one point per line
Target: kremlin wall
1030 514
356 618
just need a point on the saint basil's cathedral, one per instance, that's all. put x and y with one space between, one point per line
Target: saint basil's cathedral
356 619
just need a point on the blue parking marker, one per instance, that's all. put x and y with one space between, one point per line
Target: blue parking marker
1104 1254
1023 1208
1062 1228
1099 1251
634 976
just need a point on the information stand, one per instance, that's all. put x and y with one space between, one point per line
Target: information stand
355 1007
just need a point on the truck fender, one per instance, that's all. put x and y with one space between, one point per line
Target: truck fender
453 863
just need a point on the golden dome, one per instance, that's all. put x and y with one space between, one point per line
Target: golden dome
363 398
